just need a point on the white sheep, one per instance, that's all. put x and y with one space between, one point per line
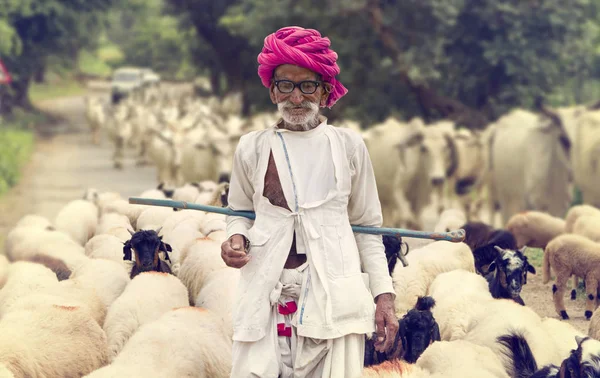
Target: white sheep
213 222
28 236
54 341
197 262
153 218
68 251
35 221
563 335
503 316
568 255
115 224
459 295
218 295
3 270
588 226
444 359
577 211
187 193
65 293
186 342
123 207
146 298
78 219
105 277
24 278
450 219
425 264
218 235
105 246
534 229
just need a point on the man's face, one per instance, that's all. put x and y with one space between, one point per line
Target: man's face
297 107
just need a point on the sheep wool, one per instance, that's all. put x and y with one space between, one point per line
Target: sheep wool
185 342
148 296
534 229
56 341
78 219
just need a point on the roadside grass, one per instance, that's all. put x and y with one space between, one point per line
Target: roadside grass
17 143
54 88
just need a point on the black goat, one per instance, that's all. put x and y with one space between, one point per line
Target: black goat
146 245
393 248
508 274
416 331
482 239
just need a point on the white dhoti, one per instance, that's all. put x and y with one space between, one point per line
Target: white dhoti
282 353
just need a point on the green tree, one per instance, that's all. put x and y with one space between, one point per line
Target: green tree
40 30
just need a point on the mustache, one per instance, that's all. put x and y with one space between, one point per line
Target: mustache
304 104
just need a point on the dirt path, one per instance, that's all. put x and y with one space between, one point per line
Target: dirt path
65 163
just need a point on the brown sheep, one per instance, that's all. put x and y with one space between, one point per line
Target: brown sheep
568 255
534 229
577 211
594 329
57 266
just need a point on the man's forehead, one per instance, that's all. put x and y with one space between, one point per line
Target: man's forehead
289 71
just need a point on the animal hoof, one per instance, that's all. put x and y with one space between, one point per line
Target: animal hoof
573 294
588 315
554 289
563 314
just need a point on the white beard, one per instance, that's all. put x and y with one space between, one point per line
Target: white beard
299 121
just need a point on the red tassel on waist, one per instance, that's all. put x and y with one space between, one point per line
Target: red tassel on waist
289 308
282 330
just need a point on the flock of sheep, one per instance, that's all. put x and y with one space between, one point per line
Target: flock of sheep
110 289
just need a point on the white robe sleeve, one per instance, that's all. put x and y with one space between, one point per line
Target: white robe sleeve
241 191
364 209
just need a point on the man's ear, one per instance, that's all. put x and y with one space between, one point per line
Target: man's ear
325 94
272 92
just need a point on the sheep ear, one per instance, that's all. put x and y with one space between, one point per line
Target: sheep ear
127 250
579 340
531 269
435 332
491 267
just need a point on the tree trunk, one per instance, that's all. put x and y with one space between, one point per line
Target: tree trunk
427 97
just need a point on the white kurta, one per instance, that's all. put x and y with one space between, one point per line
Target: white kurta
345 271
311 164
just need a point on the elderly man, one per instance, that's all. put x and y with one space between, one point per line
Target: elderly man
308 283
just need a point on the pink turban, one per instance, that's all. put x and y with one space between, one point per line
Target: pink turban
305 48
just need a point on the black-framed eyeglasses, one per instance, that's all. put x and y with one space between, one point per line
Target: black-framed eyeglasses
306 86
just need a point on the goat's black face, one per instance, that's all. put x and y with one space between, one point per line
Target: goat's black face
146 244
417 330
512 267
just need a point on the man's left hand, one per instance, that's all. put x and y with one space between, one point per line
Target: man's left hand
386 323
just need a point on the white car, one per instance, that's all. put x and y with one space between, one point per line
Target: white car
124 81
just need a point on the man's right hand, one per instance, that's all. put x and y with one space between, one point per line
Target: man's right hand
233 252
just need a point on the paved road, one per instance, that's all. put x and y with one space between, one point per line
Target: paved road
65 164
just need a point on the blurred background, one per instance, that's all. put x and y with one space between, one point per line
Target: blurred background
123 96
459 61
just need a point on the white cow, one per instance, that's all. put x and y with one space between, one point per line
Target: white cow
529 165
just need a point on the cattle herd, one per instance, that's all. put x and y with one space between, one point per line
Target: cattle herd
112 289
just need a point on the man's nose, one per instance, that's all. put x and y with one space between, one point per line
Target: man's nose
296 96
